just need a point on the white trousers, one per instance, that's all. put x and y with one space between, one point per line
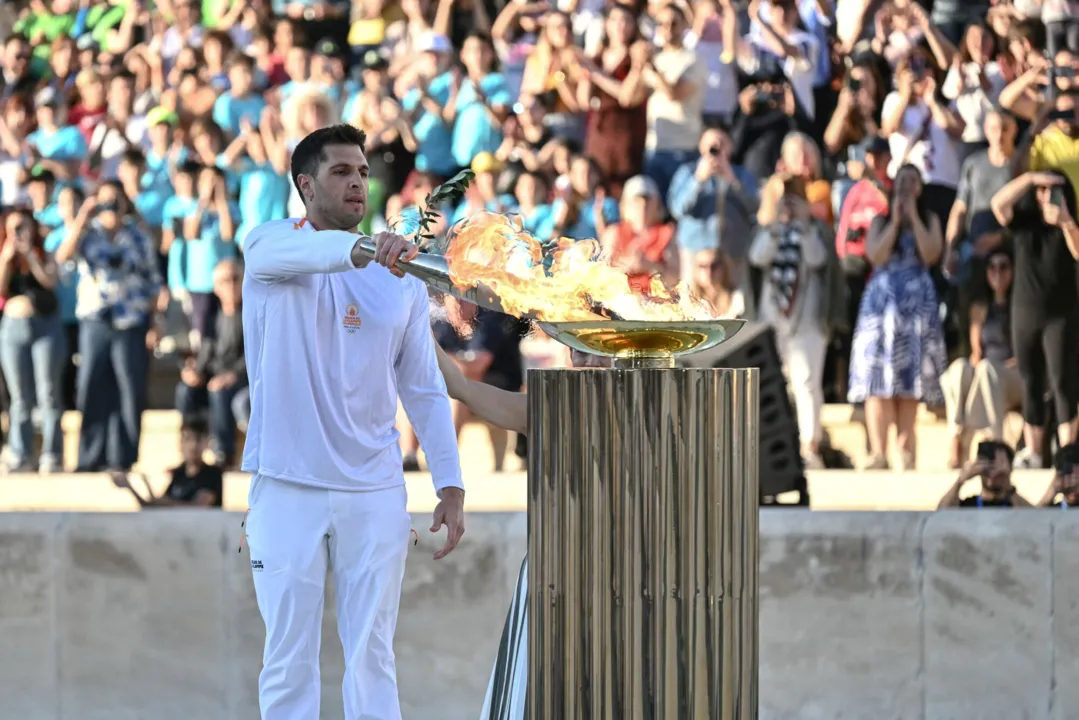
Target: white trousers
294 534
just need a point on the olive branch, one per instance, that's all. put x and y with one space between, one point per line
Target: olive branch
450 191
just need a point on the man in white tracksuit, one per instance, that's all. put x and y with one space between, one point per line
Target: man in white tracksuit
331 343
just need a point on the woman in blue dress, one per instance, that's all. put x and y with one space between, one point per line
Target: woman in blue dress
506 690
898 349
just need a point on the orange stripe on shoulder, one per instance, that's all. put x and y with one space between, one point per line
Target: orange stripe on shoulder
299 225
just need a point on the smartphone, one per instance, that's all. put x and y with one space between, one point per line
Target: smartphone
1056 196
987 451
853 84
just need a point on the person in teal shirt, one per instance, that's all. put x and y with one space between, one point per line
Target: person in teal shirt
263 191
531 191
426 104
483 193
155 185
241 102
59 147
481 102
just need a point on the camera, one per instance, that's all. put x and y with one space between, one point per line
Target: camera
1056 196
987 451
853 84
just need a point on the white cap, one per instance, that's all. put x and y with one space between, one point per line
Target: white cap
434 42
640 186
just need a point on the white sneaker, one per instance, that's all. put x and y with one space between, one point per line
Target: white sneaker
1027 459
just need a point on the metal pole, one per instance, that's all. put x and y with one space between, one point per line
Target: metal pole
642 524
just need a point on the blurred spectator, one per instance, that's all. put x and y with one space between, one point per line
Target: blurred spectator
857 113
980 390
973 84
777 47
194 483
676 77
56 146
581 209
866 201
920 129
798 158
972 231
119 284
715 204
1040 210
16 122
16 75
427 93
479 102
711 280
617 123
483 193
69 200
641 243
898 352
994 468
216 379
793 256
551 75
1065 482
31 344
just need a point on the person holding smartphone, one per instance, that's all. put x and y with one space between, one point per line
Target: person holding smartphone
1065 482
1039 208
993 466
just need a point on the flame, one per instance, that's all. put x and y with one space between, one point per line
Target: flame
571 282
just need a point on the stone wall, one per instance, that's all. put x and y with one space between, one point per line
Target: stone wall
863 615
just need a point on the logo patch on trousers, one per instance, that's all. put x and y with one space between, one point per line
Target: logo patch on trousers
256 565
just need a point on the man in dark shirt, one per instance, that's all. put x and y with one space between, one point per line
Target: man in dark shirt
194 483
217 378
994 466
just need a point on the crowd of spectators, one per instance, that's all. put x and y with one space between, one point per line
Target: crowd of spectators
891 186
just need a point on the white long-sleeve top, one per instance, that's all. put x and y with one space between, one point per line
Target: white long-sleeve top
330 348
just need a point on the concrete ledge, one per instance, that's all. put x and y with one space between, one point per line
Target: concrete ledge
508 492
959 614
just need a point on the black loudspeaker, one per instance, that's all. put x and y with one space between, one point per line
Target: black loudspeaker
781 468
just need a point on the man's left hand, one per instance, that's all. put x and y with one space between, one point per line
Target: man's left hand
450 512
391 247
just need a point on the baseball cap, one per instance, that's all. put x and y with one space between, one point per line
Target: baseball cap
374 60
86 42
434 42
47 97
640 186
161 116
876 144
486 162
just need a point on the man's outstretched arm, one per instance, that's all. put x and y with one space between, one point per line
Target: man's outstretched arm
279 250
501 408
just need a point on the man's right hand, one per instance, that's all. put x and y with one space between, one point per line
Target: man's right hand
391 247
190 377
974 468
450 512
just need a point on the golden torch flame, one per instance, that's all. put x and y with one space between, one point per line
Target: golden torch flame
570 282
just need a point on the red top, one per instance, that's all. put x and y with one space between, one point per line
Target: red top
651 245
864 202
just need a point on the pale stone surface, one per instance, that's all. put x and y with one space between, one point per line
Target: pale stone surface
29 684
879 615
1065 619
988 614
840 624
141 616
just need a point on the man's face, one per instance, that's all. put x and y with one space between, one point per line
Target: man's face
337 193
227 281
240 79
16 57
997 479
121 94
192 446
1000 131
669 28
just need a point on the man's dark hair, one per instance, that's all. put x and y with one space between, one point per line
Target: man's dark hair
311 152
123 74
195 424
238 58
189 167
1003 446
15 37
133 156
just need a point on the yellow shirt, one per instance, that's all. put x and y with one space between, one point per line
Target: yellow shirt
1056 150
